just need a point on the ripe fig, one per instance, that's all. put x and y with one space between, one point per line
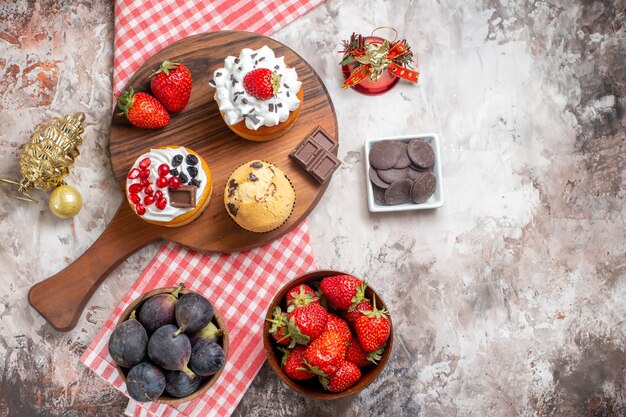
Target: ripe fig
209 332
193 312
158 310
128 342
145 382
178 384
170 350
206 358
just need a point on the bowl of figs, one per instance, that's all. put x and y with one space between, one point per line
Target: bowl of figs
327 334
170 346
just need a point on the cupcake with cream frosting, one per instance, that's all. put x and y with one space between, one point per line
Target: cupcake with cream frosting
258 96
169 186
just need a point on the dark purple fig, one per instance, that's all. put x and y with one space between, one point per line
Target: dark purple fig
158 310
193 312
128 342
209 332
145 382
206 358
169 350
178 384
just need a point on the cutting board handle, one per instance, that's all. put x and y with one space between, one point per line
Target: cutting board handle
61 298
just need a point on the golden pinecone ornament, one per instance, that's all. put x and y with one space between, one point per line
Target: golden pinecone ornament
47 159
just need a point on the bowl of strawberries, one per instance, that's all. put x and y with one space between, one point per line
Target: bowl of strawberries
327 334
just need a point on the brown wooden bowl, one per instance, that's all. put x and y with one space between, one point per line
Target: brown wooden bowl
311 388
218 320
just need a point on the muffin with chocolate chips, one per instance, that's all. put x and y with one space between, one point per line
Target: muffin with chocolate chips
259 197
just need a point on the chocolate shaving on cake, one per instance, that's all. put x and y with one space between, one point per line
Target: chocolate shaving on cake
285 85
236 60
253 55
244 100
279 105
218 74
252 117
287 93
261 59
256 63
212 83
271 106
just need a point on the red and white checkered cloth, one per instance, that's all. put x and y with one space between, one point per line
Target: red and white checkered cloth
142 28
241 286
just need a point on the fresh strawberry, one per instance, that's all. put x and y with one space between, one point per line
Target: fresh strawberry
344 291
340 326
143 110
373 329
359 357
347 375
305 324
351 316
262 83
292 365
324 356
301 296
278 330
171 84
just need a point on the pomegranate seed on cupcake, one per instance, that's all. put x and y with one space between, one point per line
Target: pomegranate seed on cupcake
259 197
258 96
169 186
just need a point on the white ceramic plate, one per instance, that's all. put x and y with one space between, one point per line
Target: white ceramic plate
435 200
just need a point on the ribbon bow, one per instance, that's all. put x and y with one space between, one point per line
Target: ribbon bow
375 57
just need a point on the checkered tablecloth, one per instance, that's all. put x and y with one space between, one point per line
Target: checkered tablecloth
240 285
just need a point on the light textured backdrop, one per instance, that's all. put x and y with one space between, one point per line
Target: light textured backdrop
509 300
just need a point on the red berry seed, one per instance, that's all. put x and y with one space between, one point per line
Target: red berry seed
163 169
141 210
145 173
161 203
161 182
158 195
134 198
145 163
135 188
134 173
147 200
144 182
148 190
174 182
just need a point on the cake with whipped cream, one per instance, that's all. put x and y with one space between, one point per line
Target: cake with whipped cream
169 186
258 96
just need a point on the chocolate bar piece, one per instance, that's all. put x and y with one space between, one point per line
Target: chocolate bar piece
324 139
183 197
323 167
316 154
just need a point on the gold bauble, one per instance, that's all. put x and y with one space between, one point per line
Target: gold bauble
65 201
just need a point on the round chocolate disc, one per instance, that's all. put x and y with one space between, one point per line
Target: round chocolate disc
398 192
385 154
414 175
393 174
375 179
423 188
379 195
404 160
421 153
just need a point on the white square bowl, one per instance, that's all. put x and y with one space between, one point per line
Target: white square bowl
435 200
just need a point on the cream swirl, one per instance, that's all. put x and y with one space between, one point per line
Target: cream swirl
237 105
165 156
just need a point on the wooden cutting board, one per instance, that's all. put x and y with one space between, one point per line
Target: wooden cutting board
61 298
